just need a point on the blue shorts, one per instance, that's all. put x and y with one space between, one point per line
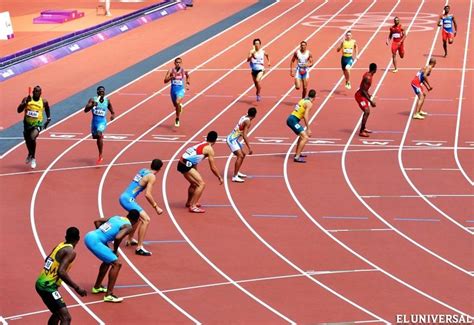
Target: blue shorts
177 93
417 89
299 75
294 123
346 62
128 203
99 249
97 127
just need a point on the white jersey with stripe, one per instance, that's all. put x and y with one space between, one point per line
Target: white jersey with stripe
195 153
302 58
238 129
257 60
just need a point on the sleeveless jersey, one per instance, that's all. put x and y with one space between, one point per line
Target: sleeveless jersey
397 33
48 279
257 62
363 85
302 58
238 129
348 48
299 108
134 188
419 78
195 154
448 23
99 112
34 112
108 230
177 82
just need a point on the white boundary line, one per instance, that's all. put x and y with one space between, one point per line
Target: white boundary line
245 222
461 94
37 187
303 209
402 166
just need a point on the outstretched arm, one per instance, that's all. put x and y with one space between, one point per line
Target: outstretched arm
149 193
212 163
244 136
120 236
68 257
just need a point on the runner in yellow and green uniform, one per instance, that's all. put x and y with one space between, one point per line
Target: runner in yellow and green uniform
55 270
33 121
349 52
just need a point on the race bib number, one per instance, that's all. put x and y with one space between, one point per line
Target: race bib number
347 51
34 114
177 82
48 263
396 35
297 126
56 295
99 112
137 178
362 104
105 227
447 25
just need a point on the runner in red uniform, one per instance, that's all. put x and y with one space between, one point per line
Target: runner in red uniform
362 98
397 35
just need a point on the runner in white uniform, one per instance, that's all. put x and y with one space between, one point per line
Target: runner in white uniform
256 58
240 130
304 60
187 166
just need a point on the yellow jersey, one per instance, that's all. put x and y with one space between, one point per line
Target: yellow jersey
300 108
34 112
348 48
48 279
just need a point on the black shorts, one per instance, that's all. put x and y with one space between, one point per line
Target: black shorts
28 128
256 72
184 167
52 300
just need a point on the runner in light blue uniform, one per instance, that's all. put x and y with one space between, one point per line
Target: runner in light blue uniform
113 229
177 76
99 106
143 180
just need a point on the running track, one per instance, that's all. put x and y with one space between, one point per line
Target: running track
366 230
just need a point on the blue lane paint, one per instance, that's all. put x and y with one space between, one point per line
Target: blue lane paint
265 176
417 219
216 205
164 241
469 220
275 215
123 286
345 217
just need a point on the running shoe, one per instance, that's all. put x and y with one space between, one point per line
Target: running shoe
28 159
418 116
237 179
142 252
98 290
176 123
33 163
132 242
241 175
363 134
259 98
196 209
112 298
99 160
348 85
423 113
395 70
299 160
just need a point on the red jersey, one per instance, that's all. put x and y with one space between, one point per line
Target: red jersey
366 86
397 32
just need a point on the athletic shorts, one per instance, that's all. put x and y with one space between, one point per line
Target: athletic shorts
302 73
361 100
184 166
99 249
177 93
98 127
447 35
52 300
256 72
128 203
294 123
28 127
417 89
346 62
234 144
398 46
